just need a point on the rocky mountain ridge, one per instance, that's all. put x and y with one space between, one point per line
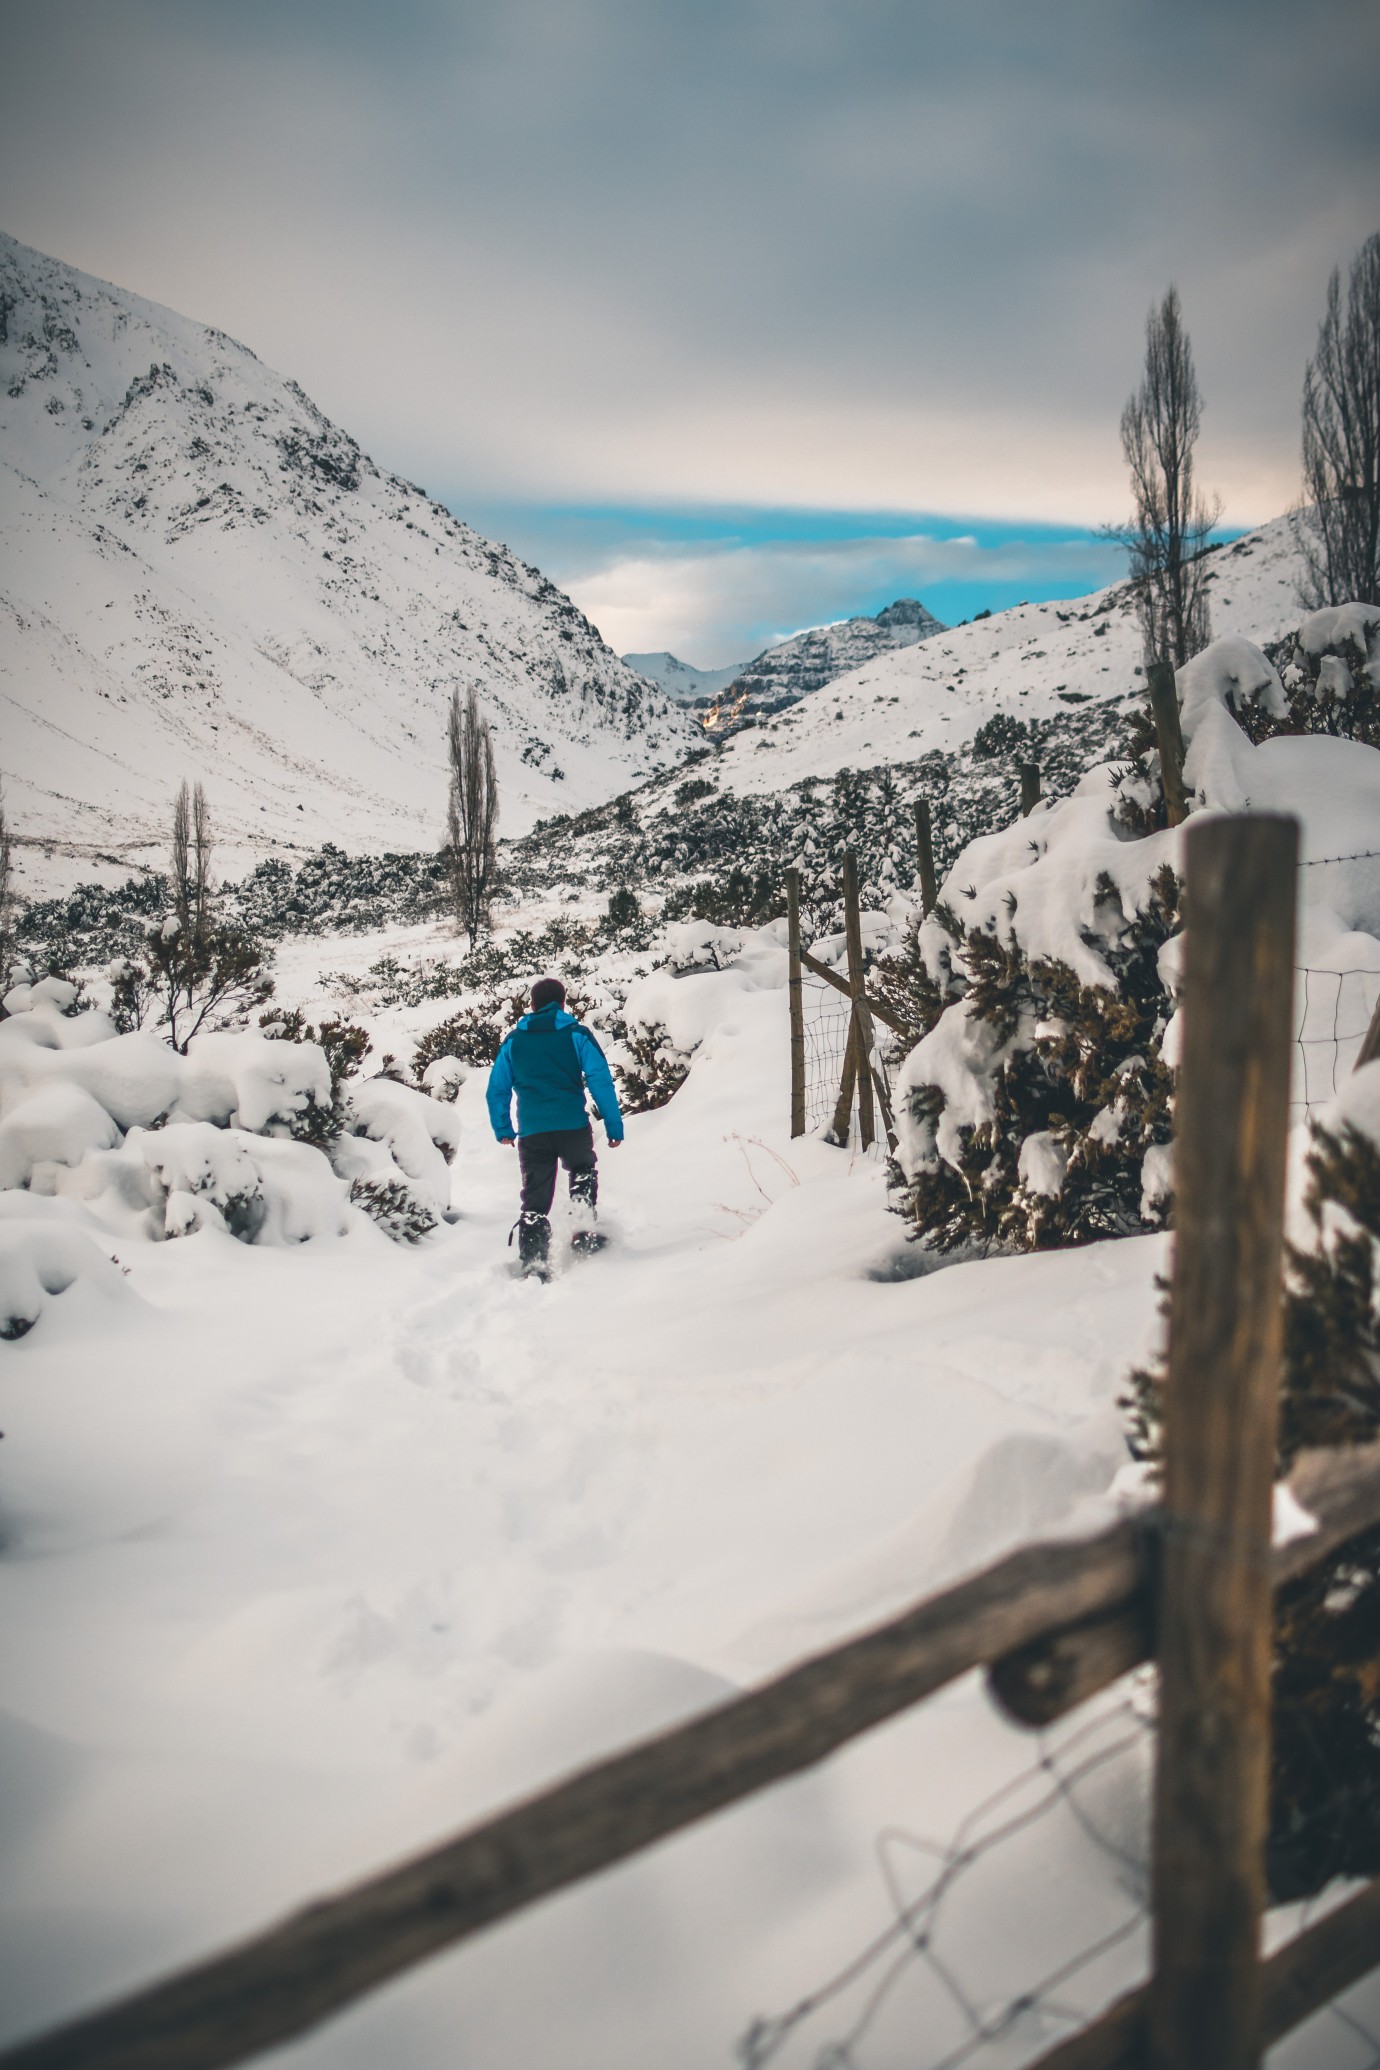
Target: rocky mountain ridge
781 675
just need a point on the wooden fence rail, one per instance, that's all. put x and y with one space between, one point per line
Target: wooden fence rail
318 1961
1190 1582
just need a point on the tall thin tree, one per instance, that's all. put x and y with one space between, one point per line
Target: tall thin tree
1170 523
6 898
472 813
191 862
1338 528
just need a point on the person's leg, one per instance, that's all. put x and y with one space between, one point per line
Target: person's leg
577 1155
538 1156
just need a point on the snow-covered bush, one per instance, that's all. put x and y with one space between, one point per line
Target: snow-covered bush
1037 1107
247 1134
40 1260
474 1034
395 1207
648 1068
1330 671
1027 1110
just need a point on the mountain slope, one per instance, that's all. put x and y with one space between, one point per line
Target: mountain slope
204 577
1033 663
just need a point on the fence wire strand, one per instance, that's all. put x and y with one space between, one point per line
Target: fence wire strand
1333 1010
915 1936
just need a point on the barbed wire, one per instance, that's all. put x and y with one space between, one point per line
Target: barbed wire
1358 855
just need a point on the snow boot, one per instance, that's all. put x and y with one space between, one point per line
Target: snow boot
534 1243
584 1191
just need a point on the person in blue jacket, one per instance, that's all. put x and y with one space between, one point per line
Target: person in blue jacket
548 1060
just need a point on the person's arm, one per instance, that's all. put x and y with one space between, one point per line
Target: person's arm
599 1079
500 1095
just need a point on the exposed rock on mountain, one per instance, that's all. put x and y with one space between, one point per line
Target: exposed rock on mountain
205 577
783 674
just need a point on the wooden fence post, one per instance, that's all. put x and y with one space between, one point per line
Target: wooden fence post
1169 740
797 1005
1370 1045
1215 1625
924 848
863 1039
1030 787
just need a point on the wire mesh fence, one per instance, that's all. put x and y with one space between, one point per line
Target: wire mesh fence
827 1017
1333 1010
970 1968
935 1981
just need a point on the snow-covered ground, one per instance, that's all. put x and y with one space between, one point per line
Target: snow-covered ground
315 1553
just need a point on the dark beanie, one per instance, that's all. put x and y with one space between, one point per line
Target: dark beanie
547 992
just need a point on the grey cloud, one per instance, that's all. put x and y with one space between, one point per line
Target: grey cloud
580 227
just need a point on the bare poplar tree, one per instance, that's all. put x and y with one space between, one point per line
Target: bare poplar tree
472 814
1338 530
191 862
6 897
1170 524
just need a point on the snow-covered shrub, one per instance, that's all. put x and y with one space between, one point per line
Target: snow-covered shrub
1036 1108
418 1136
395 1207
57 1124
188 979
701 945
1330 671
205 1179
649 1070
474 1035
39 1260
229 1137
344 1045
1030 1106
443 1077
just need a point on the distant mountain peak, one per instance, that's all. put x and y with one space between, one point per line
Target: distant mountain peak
792 669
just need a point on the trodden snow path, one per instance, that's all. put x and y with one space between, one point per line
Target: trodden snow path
318 1555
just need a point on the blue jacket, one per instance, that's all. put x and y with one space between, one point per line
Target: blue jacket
548 1060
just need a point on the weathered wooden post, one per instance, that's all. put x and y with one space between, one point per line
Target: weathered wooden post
1212 1776
924 849
795 997
862 1019
1370 1044
1169 740
1030 787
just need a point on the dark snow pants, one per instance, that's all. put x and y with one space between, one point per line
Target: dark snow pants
539 1156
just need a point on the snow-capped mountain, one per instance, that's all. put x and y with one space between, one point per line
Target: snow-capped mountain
681 681
1030 663
204 577
783 674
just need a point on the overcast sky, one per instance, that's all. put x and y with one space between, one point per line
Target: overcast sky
554 257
